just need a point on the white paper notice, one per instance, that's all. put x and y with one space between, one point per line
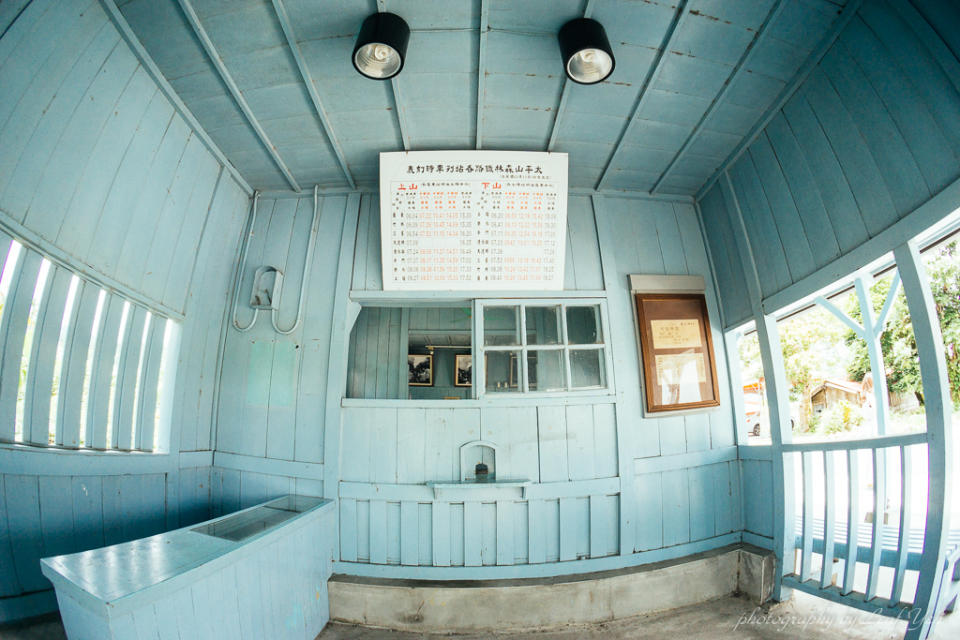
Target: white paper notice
473 220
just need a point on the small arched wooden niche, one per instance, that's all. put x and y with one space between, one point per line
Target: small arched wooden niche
477 451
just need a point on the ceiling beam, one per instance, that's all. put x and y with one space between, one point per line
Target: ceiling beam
234 90
482 68
587 12
397 101
683 10
126 32
287 27
812 61
745 59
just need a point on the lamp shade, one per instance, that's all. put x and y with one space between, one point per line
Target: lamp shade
587 56
381 46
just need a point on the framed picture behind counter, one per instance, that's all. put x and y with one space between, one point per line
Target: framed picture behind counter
679 369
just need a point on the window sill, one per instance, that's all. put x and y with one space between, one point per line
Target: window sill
58 461
505 400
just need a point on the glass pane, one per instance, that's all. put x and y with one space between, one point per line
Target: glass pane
543 325
503 372
586 368
545 370
501 325
583 325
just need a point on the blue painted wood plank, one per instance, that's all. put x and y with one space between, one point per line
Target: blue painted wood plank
26 538
896 164
36 410
99 405
929 147
835 191
505 531
13 328
580 443
726 504
552 434
87 493
536 531
763 236
703 502
676 507
568 529
488 533
74 365
9 584
672 436
858 164
409 533
56 515
457 539
128 372
472 522
649 525
378 532
441 532
792 228
605 453
803 191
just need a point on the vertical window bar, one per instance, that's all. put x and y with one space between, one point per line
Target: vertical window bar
25 342
106 372
9 255
74 379
128 373
36 415
522 368
135 439
55 434
146 420
17 312
565 339
112 398
168 373
88 435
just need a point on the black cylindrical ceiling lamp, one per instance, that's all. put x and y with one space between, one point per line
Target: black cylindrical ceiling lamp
381 46
587 56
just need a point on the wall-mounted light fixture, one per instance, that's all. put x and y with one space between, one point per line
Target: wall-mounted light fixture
587 56
381 46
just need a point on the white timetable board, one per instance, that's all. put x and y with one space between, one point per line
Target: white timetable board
473 220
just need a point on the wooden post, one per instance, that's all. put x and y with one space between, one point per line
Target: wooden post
939 409
777 400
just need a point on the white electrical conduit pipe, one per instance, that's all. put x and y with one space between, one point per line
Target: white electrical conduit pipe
314 230
239 275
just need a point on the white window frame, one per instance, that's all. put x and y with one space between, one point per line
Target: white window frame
479 348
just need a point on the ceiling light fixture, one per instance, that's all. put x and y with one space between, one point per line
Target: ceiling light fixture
381 46
587 56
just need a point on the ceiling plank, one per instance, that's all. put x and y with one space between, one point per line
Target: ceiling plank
110 7
482 67
287 27
234 90
401 116
745 59
812 61
683 10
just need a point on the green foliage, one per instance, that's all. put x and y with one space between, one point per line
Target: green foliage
841 416
897 343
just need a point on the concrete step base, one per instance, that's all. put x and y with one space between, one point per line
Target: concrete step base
531 604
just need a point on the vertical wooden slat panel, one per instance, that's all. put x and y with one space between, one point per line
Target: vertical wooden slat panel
149 382
348 529
536 532
26 536
829 517
13 329
98 402
124 423
440 516
471 534
36 410
74 365
879 512
568 529
649 533
409 533
378 532
505 511
853 515
903 539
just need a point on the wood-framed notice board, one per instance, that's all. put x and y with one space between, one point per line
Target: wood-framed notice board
473 220
679 369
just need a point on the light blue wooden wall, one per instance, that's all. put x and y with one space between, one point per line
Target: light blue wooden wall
103 174
871 135
864 156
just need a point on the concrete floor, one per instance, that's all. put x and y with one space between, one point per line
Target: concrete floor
804 617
